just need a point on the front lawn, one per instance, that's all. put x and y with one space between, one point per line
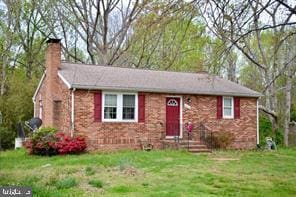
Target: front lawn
156 173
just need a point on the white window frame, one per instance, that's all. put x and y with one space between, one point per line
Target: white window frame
232 108
119 107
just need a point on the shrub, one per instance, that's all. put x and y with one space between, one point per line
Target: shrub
47 141
66 183
47 130
265 130
96 183
67 145
293 113
279 136
220 139
6 138
42 142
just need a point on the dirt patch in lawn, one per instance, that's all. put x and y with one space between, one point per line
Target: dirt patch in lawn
131 171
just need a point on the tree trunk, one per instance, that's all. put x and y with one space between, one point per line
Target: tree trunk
3 79
288 106
231 69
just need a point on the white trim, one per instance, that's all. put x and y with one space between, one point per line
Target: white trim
38 87
257 133
232 107
64 80
40 110
72 112
160 90
34 113
181 116
119 106
40 107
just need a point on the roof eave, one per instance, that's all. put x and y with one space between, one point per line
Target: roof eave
39 86
158 90
67 83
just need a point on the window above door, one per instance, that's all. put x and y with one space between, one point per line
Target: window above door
172 102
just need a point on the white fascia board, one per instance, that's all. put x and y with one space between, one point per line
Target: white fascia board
64 80
39 86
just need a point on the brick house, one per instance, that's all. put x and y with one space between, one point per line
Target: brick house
115 107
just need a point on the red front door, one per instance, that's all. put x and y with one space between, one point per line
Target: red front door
172 116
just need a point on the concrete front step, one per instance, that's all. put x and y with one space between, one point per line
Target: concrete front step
193 146
190 142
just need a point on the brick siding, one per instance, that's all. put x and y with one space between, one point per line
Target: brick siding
108 136
113 136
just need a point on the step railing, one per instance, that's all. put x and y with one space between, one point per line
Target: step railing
199 133
206 136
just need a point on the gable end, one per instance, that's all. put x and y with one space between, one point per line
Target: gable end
39 86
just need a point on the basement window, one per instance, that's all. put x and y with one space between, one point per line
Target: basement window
120 107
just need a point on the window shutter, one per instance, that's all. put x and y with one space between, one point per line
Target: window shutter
219 107
141 107
236 107
98 106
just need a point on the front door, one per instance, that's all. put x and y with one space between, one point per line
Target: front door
172 116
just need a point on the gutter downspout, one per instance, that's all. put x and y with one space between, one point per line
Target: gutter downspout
72 112
34 102
258 122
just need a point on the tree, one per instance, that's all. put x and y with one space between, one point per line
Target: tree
30 40
103 27
16 104
168 39
245 26
7 41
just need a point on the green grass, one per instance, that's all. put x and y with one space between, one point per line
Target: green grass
96 183
66 183
89 171
155 173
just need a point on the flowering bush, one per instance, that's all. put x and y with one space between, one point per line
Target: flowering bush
68 145
48 141
42 142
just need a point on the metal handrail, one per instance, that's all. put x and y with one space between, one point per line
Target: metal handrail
206 136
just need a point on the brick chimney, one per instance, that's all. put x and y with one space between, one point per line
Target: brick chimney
52 64
52 90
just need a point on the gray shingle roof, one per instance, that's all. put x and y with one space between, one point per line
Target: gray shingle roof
83 76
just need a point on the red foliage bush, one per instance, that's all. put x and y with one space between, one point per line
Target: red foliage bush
68 145
52 143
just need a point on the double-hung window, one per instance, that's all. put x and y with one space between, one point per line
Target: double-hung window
128 107
120 107
110 106
227 107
